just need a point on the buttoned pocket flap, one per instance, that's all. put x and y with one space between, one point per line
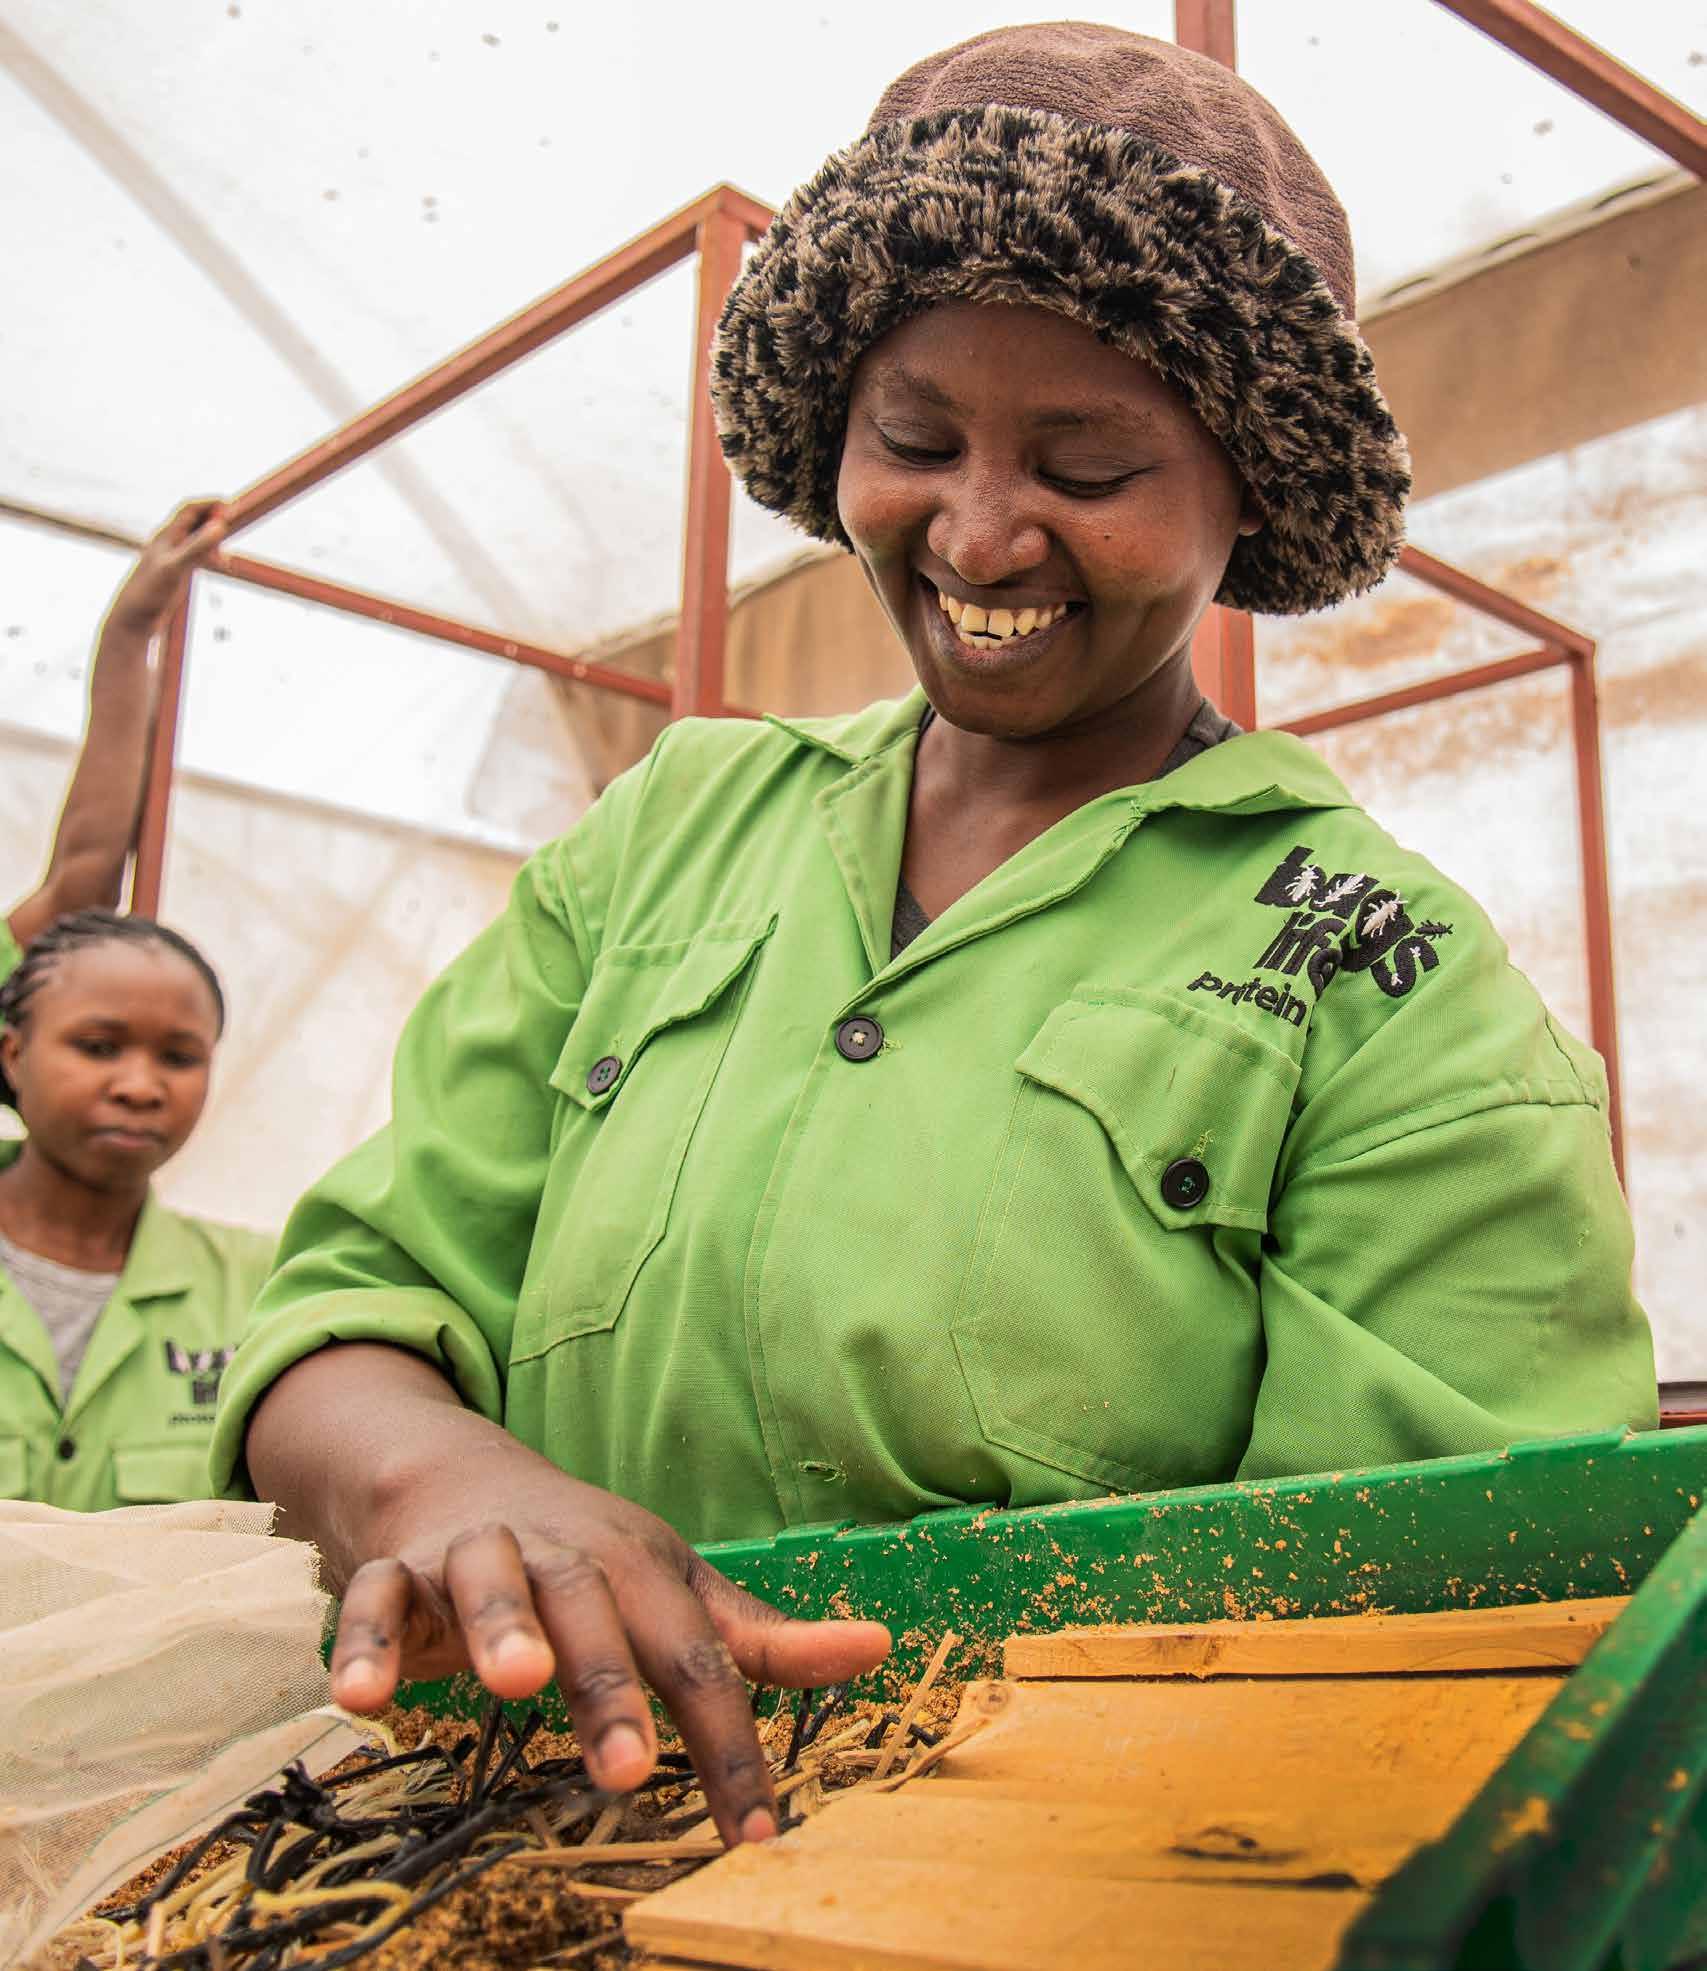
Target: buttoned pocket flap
149 1473
1195 1106
14 1468
636 991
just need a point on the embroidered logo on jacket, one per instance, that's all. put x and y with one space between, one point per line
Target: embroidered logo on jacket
1344 923
204 1367
1347 922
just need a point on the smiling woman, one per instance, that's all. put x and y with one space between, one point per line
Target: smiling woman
116 1315
1030 1088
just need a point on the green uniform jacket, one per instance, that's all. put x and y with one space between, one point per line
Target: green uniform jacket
1212 1134
139 1419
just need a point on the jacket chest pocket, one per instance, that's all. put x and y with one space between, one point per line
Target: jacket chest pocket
1109 1325
634 1075
146 1474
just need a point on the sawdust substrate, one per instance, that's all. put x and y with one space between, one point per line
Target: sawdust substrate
512 1919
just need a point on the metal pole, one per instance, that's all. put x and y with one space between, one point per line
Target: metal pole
1503 608
1597 890
1588 71
1426 693
702 632
148 869
1207 26
1223 659
631 266
1223 649
424 622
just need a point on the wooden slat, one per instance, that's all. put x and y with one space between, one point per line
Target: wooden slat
1347 1767
1234 1824
1541 1635
777 1908
1110 1836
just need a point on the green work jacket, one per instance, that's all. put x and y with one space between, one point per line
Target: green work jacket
1211 1134
138 1421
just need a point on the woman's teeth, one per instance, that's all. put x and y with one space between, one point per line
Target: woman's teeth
983 629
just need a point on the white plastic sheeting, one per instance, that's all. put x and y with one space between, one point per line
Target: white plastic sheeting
248 218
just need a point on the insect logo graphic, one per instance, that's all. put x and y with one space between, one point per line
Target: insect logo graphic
204 1367
1344 923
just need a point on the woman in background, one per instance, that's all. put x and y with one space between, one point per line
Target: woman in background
117 1316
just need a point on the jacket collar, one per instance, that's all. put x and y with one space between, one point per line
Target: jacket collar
158 1266
1256 774
162 1255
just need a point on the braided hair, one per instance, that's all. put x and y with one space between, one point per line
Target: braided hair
77 931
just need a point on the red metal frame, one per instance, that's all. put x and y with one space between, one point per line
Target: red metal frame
1588 71
715 229
1559 645
157 796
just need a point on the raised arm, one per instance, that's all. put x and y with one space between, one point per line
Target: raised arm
98 822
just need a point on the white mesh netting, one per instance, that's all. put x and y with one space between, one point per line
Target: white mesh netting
137 1645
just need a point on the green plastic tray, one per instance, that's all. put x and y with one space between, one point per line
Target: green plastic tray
1557 1520
1586 1851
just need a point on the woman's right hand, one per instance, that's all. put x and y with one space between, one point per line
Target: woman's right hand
473 1552
152 588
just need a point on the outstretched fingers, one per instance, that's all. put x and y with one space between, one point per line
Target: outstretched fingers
772 1648
367 1654
596 1670
692 1669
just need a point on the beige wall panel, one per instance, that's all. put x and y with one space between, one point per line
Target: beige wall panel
1580 336
810 642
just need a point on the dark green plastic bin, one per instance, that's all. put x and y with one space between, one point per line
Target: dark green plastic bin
1587 1850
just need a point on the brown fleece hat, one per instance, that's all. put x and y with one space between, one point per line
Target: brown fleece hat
1133 186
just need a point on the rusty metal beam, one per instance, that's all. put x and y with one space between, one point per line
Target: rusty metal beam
1503 608
148 869
631 266
703 626
425 622
1207 26
1478 678
1597 889
1223 660
1588 71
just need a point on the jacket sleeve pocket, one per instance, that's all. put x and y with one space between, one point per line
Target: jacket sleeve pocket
634 1075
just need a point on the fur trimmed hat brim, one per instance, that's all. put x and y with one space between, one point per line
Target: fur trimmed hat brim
1158 258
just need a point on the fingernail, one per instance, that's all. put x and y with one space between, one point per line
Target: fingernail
759 1825
623 1750
513 1647
353 1668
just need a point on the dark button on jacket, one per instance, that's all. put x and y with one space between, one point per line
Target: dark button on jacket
858 1039
1185 1183
602 1073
